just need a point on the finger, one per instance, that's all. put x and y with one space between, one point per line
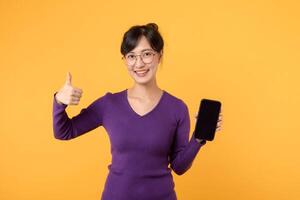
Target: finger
76 94
77 91
75 98
69 79
74 102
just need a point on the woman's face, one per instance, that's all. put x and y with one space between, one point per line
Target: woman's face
142 68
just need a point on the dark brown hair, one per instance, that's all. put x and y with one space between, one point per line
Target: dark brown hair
132 36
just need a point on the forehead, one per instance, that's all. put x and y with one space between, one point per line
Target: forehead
143 44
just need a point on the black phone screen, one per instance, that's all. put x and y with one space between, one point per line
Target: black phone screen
207 119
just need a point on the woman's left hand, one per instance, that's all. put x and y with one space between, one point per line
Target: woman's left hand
219 122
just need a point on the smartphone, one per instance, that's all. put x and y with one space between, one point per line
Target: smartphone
207 119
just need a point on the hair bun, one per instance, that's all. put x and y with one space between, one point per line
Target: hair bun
153 26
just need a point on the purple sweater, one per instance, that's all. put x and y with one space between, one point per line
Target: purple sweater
142 147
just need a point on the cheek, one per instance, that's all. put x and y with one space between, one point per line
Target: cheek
154 67
130 71
154 64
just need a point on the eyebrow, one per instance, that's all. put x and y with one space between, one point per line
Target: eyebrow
142 50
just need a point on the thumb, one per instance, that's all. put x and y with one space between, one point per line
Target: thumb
69 79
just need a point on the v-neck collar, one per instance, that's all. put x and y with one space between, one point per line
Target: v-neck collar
125 92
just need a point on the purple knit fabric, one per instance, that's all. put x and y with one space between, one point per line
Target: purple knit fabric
142 147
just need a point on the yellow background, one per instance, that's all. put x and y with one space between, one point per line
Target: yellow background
243 53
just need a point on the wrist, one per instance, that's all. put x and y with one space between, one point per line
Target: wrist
201 141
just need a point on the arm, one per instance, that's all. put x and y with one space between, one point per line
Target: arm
184 151
88 119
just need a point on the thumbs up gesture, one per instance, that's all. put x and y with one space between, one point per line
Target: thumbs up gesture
68 94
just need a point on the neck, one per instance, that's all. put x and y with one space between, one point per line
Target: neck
145 91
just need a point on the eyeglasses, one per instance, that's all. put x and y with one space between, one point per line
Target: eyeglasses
146 56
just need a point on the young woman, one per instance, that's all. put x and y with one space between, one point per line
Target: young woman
147 126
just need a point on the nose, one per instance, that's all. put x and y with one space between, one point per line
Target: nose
139 62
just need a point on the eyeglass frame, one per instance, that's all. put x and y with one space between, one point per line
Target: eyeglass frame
151 50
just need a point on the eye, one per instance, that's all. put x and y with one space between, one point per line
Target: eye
147 54
130 56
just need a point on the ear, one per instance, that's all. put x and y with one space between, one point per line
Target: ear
160 54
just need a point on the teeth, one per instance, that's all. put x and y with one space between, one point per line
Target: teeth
141 72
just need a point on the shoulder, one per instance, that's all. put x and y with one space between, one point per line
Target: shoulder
176 104
104 100
114 95
110 96
174 100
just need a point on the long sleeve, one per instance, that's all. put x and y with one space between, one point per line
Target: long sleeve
88 119
183 151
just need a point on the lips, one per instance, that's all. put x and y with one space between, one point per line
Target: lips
142 72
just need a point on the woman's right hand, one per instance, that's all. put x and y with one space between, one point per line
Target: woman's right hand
68 94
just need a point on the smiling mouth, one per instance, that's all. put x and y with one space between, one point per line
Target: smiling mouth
141 73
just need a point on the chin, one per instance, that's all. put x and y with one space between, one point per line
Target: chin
142 81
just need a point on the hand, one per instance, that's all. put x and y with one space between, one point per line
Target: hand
68 94
219 121
200 141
